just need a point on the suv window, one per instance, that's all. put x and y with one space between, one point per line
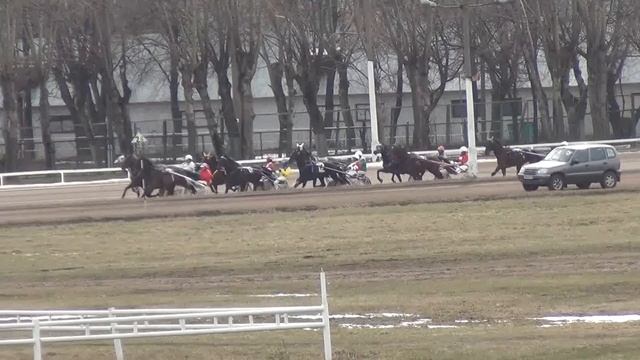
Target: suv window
597 154
611 154
581 156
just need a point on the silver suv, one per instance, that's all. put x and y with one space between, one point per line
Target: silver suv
581 165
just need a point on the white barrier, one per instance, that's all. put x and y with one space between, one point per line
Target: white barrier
118 324
369 158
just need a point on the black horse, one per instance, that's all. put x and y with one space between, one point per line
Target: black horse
413 165
385 152
312 170
239 176
507 157
150 177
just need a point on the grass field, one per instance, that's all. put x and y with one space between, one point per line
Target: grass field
497 262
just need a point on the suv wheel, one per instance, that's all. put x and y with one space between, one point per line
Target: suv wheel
556 182
609 180
583 186
530 187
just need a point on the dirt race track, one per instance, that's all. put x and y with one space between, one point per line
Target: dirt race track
102 202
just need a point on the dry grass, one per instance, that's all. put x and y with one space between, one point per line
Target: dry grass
492 260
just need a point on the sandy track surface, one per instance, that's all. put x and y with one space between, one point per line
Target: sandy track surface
102 202
73 205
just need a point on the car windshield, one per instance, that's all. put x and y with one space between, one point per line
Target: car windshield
560 154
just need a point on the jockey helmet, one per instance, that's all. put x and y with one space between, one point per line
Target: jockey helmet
204 165
188 158
269 159
564 143
441 149
464 149
358 154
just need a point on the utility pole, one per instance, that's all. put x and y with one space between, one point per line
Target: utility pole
367 7
471 118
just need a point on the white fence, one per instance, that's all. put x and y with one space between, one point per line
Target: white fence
22 327
122 178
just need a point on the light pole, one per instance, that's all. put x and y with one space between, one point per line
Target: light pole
471 118
368 14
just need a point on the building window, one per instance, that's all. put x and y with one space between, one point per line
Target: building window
459 109
511 107
635 100
61 124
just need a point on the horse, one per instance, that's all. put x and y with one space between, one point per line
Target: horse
307 168
507 157
385 152
310 170
154 177
240 176
411 164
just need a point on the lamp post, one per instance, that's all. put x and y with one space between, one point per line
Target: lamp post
471 118
368 16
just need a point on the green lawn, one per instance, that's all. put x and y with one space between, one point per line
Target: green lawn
501 262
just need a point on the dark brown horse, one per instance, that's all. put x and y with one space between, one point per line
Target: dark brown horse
150 177
385 152
406 163
507 157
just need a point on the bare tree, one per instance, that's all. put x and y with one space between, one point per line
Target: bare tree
9 64
308 51
606 51
245 27
423 44
276 49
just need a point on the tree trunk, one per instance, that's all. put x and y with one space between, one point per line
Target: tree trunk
74 107
228 113
276 75
11 125
576 106
418 81
596 65
558 109
615 115
201 85
395 112
309 89
343 93
27 125
47 143
176 115
174 85
329 103
542 103
249 116
189 113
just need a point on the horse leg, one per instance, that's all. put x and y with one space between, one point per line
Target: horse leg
399 177
378 176
504 171
125 190
496 170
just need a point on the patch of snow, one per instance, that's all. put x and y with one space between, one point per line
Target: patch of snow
592 319
283 295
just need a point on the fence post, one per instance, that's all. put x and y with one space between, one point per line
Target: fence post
62 177
37 344
326 330
164 140
1 180
117 343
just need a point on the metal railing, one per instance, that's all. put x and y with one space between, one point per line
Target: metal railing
369 157
42 327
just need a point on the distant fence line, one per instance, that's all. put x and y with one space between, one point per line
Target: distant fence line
447 127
